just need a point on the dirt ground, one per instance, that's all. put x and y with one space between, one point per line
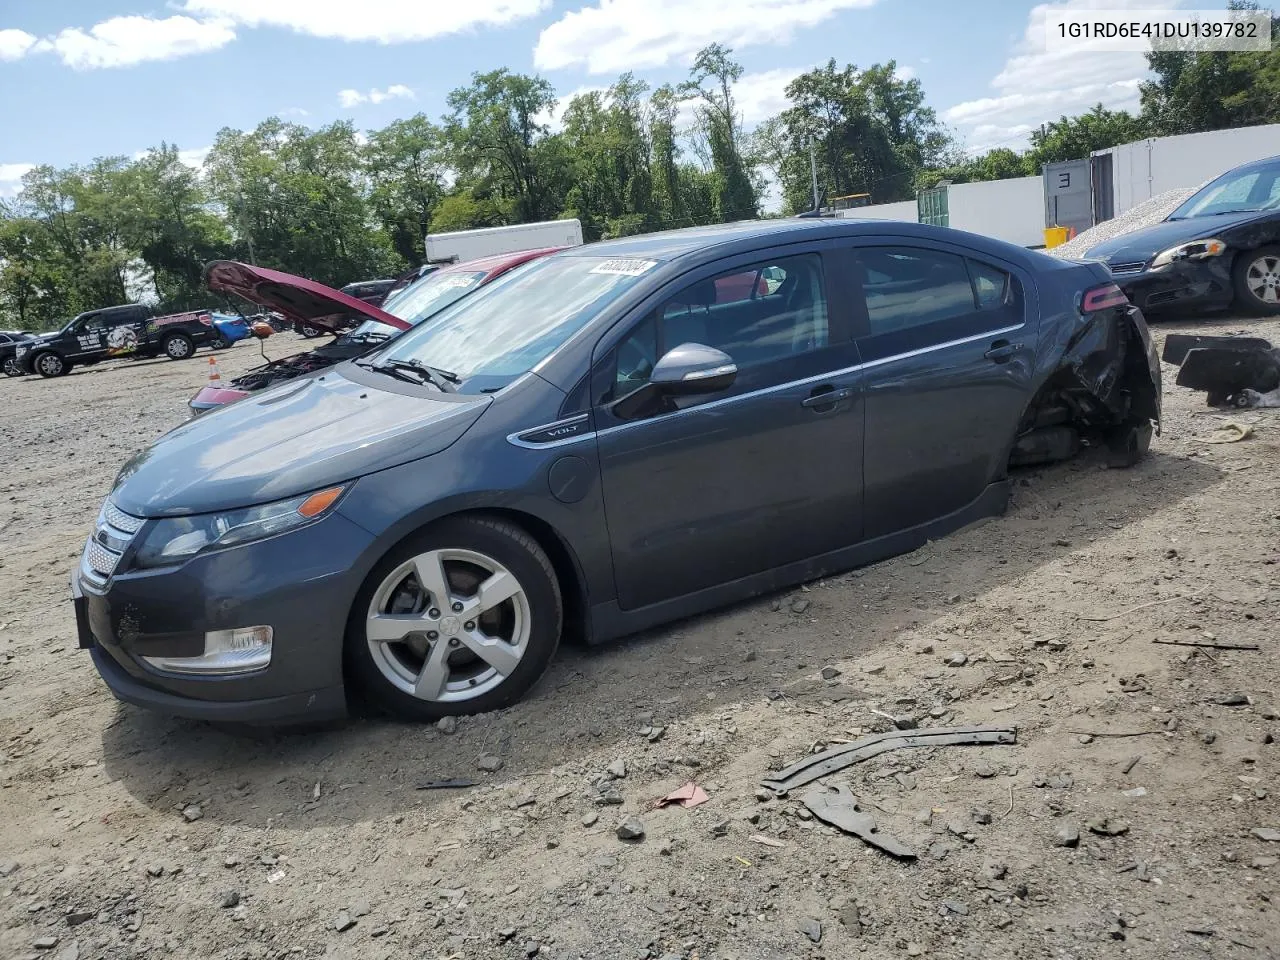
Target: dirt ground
124 834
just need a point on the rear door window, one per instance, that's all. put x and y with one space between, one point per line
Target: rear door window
917 297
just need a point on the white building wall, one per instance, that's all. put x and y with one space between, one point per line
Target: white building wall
1013 210
902 210
1009 210
1145 168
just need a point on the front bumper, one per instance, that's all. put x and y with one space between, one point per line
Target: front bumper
1184 284
300 583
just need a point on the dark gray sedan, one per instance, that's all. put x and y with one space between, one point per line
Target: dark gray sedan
612 437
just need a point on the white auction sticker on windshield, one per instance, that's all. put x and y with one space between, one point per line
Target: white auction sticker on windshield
462 281
625 268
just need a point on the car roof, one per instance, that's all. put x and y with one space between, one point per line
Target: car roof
721 240
1253 165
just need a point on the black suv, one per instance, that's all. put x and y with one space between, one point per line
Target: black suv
132 329
9 340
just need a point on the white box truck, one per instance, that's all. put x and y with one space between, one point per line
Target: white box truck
462 245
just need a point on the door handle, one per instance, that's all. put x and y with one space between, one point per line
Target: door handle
826 397
1002 350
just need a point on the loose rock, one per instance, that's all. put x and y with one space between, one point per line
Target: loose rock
1266 834
192 813
618 769
230 899
489 763
811 928
590 818
630 829
1067 836
830 673
447 725
343 922
799 605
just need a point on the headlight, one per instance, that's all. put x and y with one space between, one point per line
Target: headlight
1195 250
175 539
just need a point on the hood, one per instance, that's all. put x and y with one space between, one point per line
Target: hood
302 435
297 298
1141 245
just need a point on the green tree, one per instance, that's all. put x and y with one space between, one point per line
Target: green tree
870 129
710 85
1074 138
498 142
296 199
407 167
1198 90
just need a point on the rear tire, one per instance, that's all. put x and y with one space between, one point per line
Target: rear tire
12 368
177 346
50 364
477 641
1256 277
219 342
1128 445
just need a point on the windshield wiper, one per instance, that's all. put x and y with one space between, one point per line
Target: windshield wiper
413 371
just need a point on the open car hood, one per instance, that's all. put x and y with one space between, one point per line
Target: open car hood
296 298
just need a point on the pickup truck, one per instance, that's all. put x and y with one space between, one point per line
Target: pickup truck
130 330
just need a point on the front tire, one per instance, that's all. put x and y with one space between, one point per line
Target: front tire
462 617
178 346
219 342
1256 277
50 364
310 332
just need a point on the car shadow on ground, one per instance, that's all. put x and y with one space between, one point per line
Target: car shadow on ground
592 701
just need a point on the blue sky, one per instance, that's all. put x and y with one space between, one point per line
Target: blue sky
84 78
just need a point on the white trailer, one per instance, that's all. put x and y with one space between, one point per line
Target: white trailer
462 245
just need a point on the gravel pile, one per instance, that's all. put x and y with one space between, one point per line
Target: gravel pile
1143 215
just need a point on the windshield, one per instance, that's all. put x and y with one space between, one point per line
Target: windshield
420 300
1243 191
517 321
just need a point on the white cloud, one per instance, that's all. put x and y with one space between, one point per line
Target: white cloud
16 44
618 35
1038 85
11 175
353 98
295 112
384 21
905 73
125 41
761 95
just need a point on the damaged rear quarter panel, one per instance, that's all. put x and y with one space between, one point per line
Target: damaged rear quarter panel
1108 357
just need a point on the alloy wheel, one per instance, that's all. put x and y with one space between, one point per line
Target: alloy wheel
50 364
177 348
11 368
448 625
1263 279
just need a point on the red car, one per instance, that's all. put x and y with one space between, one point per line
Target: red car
305 301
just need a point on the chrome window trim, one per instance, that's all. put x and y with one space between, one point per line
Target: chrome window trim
514 438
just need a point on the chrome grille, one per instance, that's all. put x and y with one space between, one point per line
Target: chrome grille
112 534
101 560
120 520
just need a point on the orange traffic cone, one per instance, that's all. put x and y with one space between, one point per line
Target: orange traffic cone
215 378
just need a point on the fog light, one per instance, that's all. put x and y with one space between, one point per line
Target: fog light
242 650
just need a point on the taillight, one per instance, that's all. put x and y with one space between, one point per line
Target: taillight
1103 298
206 319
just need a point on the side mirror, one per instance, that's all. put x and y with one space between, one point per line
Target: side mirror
693 368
